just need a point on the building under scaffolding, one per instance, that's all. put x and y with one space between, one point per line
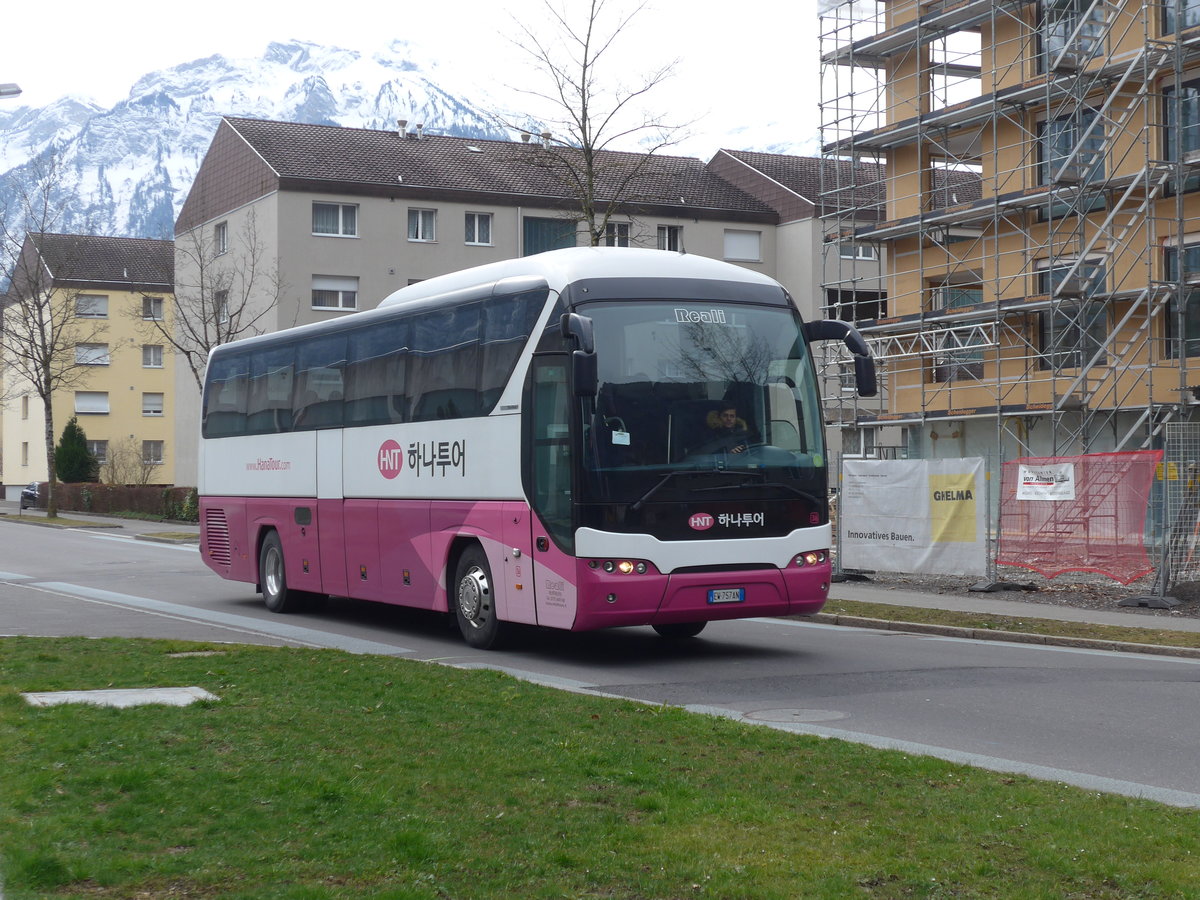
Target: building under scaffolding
1041 169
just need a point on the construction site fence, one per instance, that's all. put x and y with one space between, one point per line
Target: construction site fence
1125 516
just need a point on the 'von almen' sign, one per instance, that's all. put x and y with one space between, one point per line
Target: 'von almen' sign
914 515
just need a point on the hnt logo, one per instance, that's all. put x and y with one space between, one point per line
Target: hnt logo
391 459
701 521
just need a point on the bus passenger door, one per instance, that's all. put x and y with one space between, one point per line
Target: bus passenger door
548 456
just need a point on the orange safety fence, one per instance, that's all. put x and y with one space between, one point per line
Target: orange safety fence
1078 513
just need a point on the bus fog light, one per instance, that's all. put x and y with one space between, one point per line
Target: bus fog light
812 558
640 568
609 565
625 567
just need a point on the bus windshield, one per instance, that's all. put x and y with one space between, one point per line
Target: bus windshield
701 387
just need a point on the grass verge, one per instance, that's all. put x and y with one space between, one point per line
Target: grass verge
1051 627
323 775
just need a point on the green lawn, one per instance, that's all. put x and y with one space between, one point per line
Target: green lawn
319 774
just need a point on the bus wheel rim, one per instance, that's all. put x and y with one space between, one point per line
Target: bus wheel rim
274 574
472 593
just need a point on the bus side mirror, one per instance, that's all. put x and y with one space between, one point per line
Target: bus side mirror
584 372
864 365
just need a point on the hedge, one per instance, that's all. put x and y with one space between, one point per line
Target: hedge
177 503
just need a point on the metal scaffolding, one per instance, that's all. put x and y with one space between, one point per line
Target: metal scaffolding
1037 167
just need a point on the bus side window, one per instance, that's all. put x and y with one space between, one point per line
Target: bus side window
319 390
508 321
269 398
225 396
376 376
444 371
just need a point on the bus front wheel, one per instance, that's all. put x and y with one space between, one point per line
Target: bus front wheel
474 601
680 629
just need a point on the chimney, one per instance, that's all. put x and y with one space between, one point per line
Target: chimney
401 124
546 139
525 136
420 130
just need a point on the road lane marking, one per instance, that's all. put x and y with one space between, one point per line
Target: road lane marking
307 636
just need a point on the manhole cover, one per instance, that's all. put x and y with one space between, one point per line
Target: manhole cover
795 715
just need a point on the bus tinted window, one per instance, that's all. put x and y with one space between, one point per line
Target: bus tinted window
269 398
377 374
225 396
320 365
443 370
507 323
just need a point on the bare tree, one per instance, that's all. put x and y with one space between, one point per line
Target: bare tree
589 110
42 326
226 287
127 463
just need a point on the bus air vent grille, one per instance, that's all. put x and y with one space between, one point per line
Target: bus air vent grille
216 528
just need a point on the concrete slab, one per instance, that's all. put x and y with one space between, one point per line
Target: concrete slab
176 696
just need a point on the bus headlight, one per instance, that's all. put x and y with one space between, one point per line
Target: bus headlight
620 566
812 558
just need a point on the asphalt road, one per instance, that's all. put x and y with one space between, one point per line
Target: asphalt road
1105 721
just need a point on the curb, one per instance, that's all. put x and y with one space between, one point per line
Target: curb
992 634
167 539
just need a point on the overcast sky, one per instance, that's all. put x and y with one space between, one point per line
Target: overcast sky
741 65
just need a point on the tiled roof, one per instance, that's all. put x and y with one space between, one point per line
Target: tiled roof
844 184
85 259
345 158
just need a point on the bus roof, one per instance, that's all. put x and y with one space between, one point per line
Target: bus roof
562 267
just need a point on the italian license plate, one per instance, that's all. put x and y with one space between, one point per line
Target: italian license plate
727 595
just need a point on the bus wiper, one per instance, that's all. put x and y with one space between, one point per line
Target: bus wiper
640 502
811 498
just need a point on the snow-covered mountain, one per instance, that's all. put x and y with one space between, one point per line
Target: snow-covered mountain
126 170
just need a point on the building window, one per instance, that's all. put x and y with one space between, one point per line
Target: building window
99 450
539 235
1189 16
91 306
743 246
1071 149
91 354
1072 32
91 403
479 228
422 225
856 306
152 404
337 219
1181 115
858 442
220 238
24 406
616 234
24 453
670 237
221 306
1181 324
152 356
152 453
152 309
334 292
1071 335
857 250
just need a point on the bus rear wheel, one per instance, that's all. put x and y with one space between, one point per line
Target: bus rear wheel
675 630
272 579
474 602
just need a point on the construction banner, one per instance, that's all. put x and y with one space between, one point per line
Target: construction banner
920 515
1078 513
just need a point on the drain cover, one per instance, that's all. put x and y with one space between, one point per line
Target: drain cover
795 715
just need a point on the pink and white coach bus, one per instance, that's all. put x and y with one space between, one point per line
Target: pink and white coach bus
533 441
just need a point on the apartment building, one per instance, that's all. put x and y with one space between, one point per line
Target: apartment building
1057 311
332 220
105 297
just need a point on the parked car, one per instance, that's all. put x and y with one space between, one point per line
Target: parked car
29 495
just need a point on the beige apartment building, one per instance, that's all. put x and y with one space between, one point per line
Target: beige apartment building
1058 310
108 295
335 219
